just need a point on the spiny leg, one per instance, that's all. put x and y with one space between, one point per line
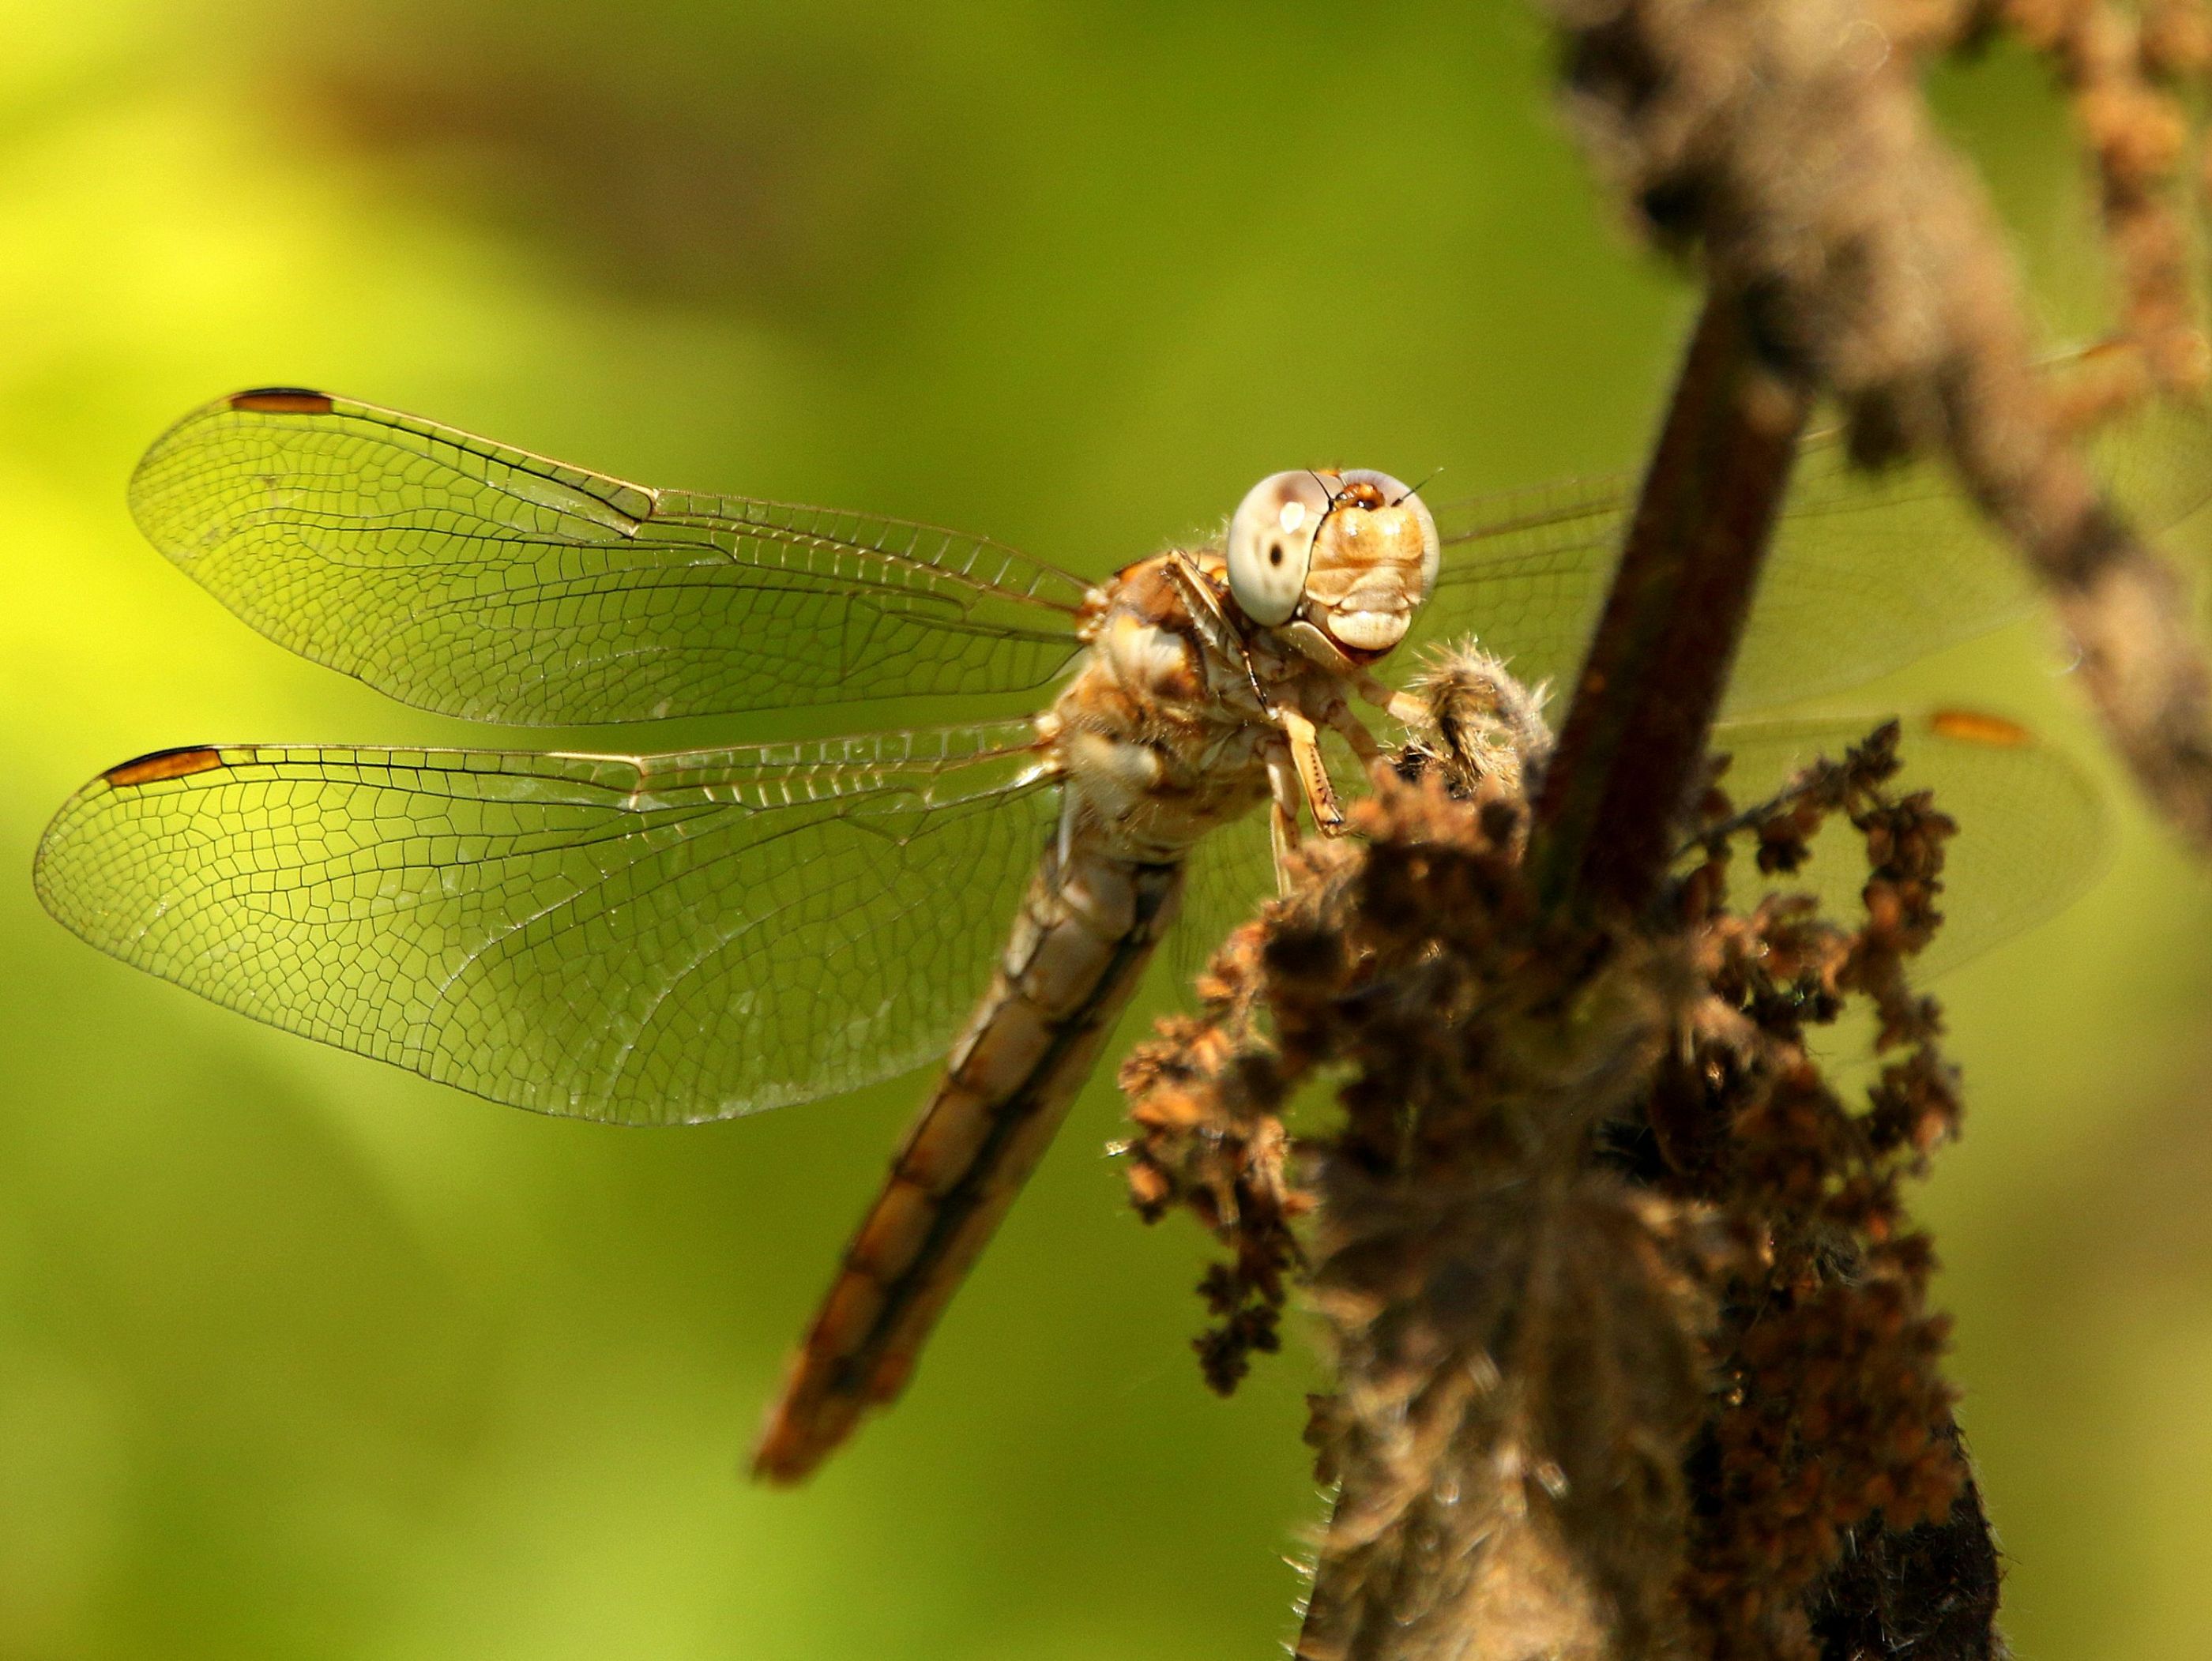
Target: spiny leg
1283 799
1204 605
1312 772
1364 745
1408 708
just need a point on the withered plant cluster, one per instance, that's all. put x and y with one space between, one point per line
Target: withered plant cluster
1632 1339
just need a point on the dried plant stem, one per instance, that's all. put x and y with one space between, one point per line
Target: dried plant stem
1608 821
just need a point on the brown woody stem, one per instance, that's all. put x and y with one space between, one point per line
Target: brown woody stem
1607 822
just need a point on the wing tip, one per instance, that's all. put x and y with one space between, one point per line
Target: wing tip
168 520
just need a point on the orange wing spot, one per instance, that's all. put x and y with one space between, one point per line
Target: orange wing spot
282 400
1973 727
164 764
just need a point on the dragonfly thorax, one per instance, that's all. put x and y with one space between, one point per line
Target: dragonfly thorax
1339 560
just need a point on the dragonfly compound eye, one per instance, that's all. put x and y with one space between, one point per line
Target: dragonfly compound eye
1270 541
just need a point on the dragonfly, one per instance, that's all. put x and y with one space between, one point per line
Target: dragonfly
661 938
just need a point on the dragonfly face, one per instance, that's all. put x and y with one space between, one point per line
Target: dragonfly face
661 938
1340 561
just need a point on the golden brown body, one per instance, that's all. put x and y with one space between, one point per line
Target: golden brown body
1172 726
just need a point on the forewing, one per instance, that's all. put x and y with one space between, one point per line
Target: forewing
1231 870
469 578
1524 572
641 939
1868 571
2033 831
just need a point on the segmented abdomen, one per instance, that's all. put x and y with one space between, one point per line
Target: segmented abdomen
1080 942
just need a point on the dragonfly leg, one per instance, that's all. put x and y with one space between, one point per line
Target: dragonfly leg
1312 772
1284 796
1203 602
1401 706
1364 745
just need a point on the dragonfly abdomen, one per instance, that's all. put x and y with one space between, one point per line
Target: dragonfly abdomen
1082 938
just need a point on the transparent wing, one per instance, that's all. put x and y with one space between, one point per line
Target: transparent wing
1868 570
2034 832
1231 870
641 939
466 577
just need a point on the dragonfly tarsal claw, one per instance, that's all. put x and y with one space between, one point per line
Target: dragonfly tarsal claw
1379 763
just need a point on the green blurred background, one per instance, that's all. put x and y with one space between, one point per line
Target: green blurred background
302 1356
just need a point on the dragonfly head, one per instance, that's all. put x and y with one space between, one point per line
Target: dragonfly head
1339 562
